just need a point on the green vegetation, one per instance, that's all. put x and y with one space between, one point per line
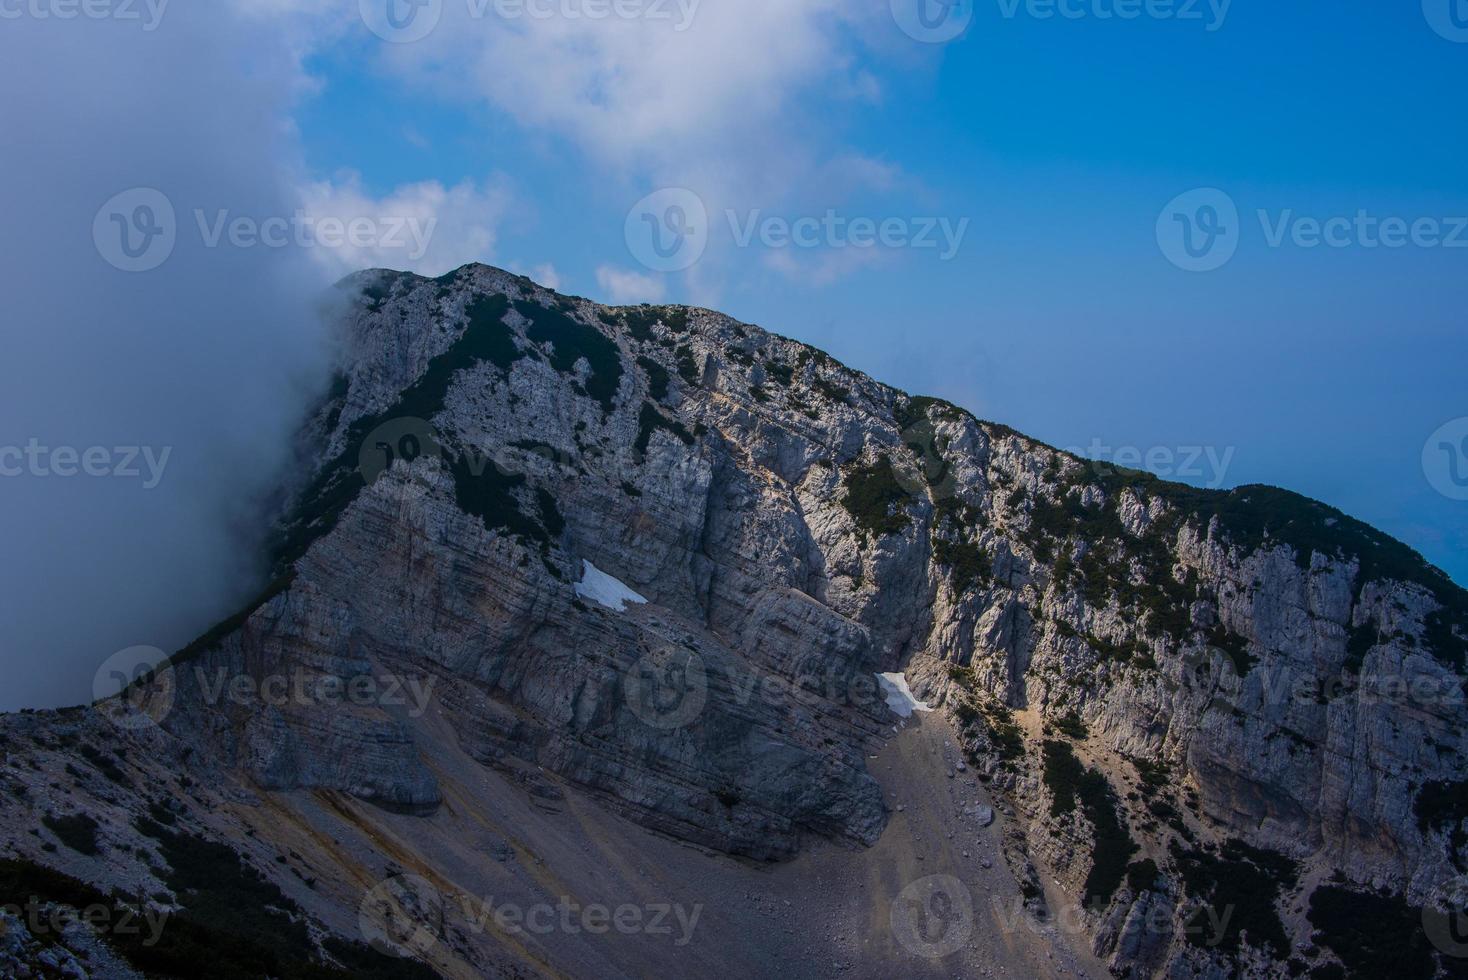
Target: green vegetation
104 763
1071 726
687 365
964 677
875 500
482 490
835 392
1442 805
232 923
77 831
782 373
1241 885
657 377
1154 775
969 563
1142 875
1375 934
1070 783
650 419
570 341
1235 647
320 505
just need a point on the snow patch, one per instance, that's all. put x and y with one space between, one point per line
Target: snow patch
604 590
899 695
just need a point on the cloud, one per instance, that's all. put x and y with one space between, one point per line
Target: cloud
622 286
546 275
424 228
213 355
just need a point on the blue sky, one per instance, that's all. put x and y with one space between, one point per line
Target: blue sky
1060 140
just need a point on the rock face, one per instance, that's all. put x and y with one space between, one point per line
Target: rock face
1165 682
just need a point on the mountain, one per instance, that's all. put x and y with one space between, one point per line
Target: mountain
569 667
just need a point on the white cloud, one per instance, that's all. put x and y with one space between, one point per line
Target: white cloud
623 286
546 275
424 228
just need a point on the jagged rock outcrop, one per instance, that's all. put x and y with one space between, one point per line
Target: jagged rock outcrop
1246 678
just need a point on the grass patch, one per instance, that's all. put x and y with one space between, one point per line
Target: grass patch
657 377
969 564
1375 934
77 831
570 341
1071 784
1241 885
649 420
875 500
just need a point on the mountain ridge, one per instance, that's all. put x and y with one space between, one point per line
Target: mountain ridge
1168 691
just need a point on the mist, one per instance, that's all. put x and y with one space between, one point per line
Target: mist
195 374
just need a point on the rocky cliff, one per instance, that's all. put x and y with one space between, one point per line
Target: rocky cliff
654 558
